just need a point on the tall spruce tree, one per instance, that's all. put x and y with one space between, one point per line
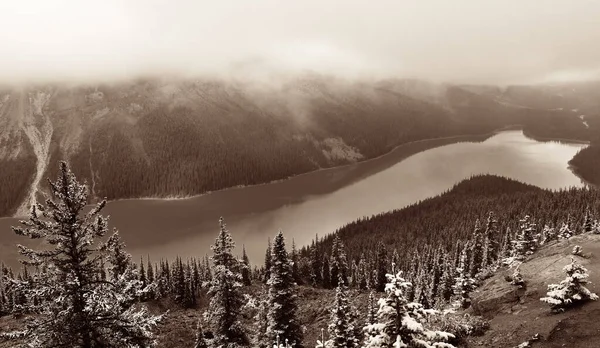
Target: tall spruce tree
381 267
295 264
226 299
268 262
75 309
282 307
338 264
245 268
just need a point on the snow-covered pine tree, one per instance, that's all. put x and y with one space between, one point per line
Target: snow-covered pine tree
490 242
245 268
362 273
476 251
338 264
571 290
282 308
525 242
463 283
588 222
341 328
444 291
226 299
565 231
400 323
75 309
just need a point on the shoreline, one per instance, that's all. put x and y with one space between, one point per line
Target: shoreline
455 139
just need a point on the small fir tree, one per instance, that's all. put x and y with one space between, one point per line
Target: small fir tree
571 290
400 323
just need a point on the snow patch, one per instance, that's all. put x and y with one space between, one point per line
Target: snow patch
134 108
39 132
582 118
337 149
100 113
95 97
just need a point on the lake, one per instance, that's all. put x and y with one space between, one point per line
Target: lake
320 202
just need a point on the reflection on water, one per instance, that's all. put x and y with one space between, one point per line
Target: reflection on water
187 227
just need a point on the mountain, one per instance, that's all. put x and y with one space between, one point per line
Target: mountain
174 138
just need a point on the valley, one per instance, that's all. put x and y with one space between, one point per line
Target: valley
321 202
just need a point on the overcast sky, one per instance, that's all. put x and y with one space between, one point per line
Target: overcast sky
478 41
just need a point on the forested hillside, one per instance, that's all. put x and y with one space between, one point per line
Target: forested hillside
444 220
179 138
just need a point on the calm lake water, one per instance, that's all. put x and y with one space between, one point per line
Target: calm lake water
322 201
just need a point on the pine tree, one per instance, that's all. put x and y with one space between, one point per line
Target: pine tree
282 308
526 240
142 273
463 283
75 309
476 251
326 273
268 262
150 279
490 243
381 265
341 328
226 301
444 290
400 323
571 290
565 231
338 264
588 222
316 266
245 268
295 264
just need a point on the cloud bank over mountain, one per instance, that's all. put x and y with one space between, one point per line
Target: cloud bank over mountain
470 41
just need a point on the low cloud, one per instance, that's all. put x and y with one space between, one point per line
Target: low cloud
499 42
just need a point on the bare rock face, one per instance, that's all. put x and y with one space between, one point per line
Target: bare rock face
499 296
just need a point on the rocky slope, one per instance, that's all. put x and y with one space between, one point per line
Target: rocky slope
516 315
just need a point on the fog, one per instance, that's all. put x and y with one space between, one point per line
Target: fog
494 41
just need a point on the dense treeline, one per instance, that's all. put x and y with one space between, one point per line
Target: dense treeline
213 135
15 178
